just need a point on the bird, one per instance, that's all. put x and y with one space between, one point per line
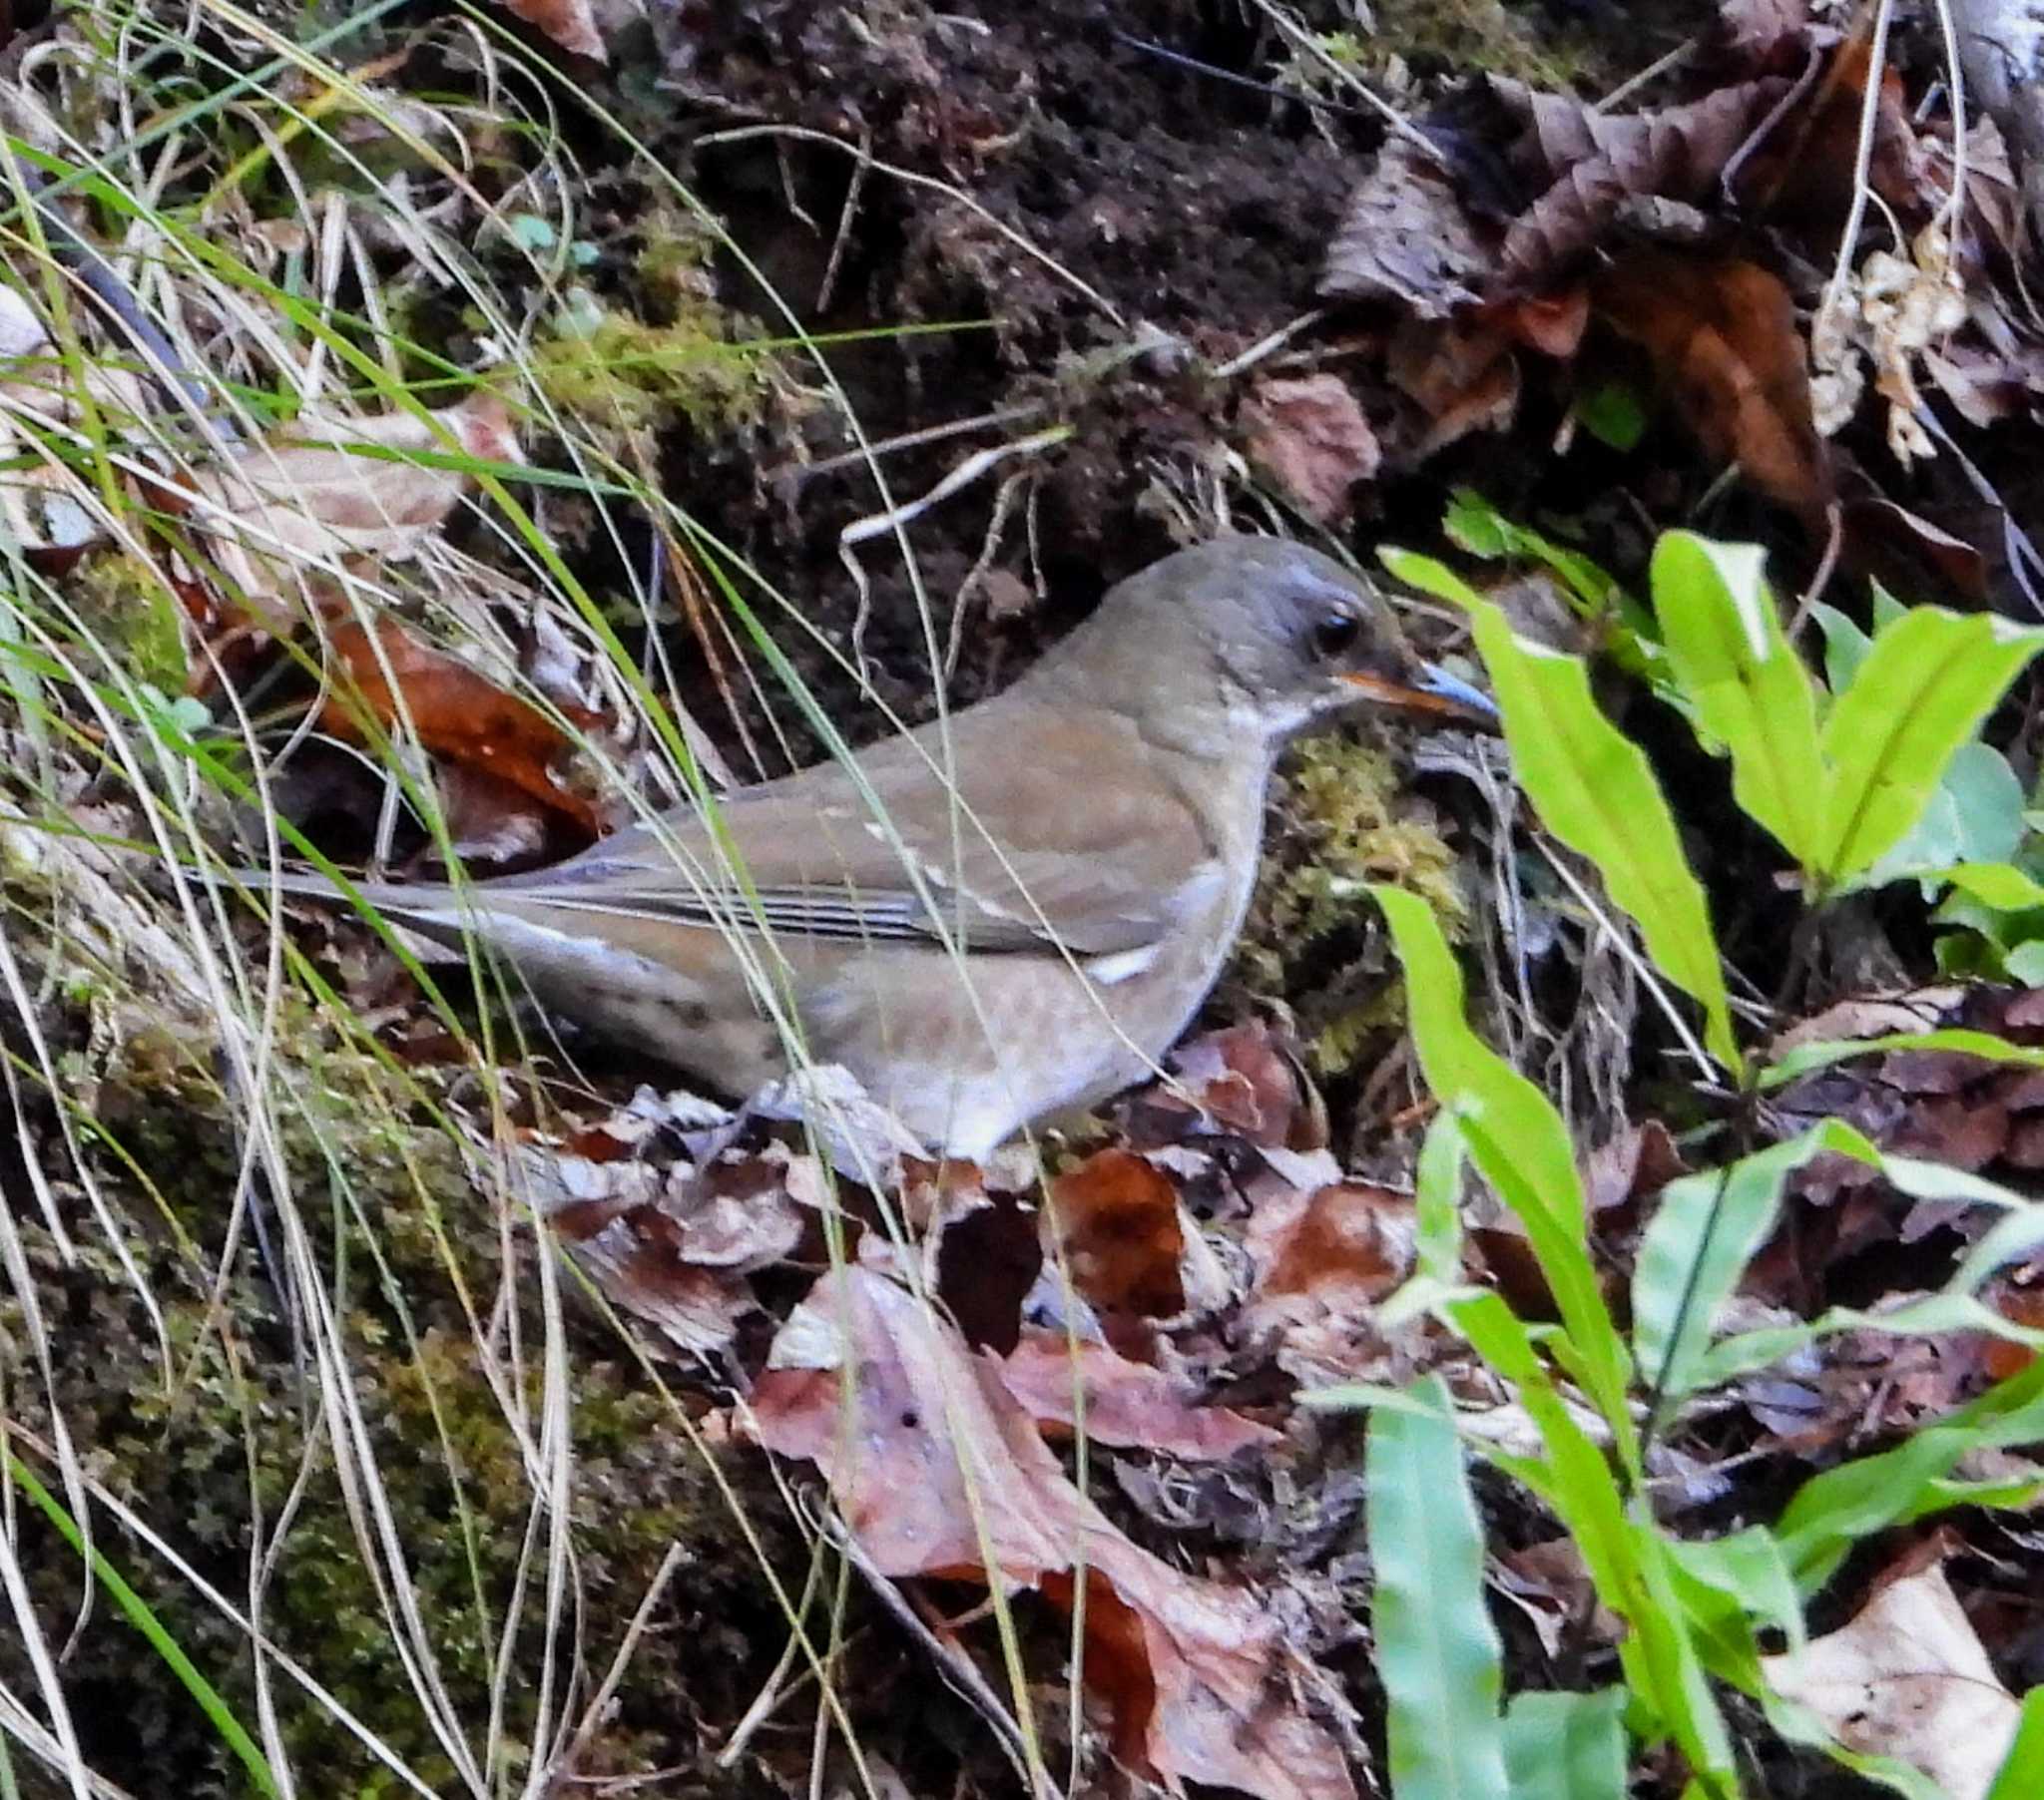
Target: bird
994 920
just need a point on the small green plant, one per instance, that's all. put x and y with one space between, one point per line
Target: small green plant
1848 779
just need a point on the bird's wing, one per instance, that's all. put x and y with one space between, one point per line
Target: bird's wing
1055 833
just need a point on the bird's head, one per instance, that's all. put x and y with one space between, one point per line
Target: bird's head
1264 636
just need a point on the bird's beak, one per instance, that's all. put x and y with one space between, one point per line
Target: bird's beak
1436 693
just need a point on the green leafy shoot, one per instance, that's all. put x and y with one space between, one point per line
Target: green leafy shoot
1597 793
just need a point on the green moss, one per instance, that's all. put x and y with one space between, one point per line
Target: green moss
123 603
616 373
1343 820
1486 36
231 1428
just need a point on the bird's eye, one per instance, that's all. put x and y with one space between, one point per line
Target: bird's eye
1336 634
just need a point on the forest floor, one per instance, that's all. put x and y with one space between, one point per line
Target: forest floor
408 1393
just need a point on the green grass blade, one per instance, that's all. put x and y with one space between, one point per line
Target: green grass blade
137 1611
1438 1651
1746 683
1597 793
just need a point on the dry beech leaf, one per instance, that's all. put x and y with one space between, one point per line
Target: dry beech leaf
1308 434
1907 1679
457 713
308 497
1404 236
1722 336
1595 162
936 1470
1126 1403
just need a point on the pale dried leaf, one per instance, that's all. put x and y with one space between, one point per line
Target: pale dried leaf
1907 1679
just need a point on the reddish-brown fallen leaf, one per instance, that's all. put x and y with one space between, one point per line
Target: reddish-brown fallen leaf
1115 1219
457 713
1336 1250
1126 1403
937 1471
1722 336
1803 173
1462 373
1308 434
570 23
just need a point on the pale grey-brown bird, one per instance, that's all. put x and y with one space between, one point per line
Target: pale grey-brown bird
990 922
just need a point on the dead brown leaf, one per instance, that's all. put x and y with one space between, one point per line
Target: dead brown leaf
572 24
457 713
1248 1083
1308 434
1404 236
1126 1403
1594 162
1757 29
1907 1679
937 1471
1115 1222
1721 334
334 488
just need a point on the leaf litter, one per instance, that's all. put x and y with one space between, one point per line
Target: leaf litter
1165 1294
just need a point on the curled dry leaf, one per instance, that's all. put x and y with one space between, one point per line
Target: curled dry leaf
1595 162
1757 29
333 488
457 713
672 1245
1907 1679
937 1471
1308 434
1404 236
1125 1403
1245 1081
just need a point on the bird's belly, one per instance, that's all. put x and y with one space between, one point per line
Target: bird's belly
966 1060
